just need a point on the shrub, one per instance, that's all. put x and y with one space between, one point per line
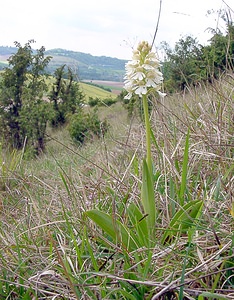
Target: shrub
85 126
65 96
108 101
101 102
93 101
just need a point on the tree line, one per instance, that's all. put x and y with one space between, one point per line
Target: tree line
190 63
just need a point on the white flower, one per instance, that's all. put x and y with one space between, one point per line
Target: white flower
128 96
141 90
142 72
150 83
162 95
138 76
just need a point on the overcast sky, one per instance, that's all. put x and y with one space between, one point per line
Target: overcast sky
104 27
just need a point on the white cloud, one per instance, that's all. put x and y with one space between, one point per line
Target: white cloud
102 27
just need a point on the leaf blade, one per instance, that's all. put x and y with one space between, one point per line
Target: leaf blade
114 228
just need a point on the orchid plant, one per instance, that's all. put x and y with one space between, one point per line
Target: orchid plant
143 77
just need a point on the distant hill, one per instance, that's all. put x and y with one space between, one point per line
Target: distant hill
86 66
5 52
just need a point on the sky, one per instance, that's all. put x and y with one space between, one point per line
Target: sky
105 27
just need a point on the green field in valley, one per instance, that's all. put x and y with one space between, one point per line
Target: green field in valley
95 92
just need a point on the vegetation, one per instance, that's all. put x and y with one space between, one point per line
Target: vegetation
86 126
53 250
89 66
108 89
22 87
65 96
28 103
94 92
100 221
113 86
101 102
85 66
190 63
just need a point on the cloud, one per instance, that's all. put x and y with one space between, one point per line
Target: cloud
102 27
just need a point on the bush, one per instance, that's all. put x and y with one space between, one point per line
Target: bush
101 102
108 101
93 101
86 126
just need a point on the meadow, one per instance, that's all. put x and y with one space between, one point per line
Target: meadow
95 92
89 90
51 249
116 87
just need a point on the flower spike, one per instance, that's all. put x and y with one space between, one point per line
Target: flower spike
142 72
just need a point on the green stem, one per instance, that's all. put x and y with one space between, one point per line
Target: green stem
147 129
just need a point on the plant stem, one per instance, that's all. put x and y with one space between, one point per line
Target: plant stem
147 127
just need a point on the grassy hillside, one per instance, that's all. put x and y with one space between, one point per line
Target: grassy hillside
3 64
95 92
115 86
91 90
86 66
49 248
88 90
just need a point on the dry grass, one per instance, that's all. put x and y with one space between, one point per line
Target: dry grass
48 250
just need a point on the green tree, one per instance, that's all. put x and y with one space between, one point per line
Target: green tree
189 62
66 97
58 116
184 63
22 109
72 96
219 55
220 52
13 82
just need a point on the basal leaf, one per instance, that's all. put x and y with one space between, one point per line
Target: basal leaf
183 219
138 221
184 171
114 228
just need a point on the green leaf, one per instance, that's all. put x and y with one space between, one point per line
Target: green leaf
125 294
184 171
212 295
147 197
114 228
217 190
183 219
138 221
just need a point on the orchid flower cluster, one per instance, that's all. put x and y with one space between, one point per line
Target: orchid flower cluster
142 72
